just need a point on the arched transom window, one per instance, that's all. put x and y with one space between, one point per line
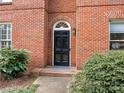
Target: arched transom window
62 25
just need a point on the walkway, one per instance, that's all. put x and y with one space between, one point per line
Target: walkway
52 84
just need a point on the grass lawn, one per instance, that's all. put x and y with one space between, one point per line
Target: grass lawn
29 89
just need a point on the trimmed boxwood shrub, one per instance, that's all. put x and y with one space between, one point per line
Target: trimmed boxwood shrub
13 62
103 73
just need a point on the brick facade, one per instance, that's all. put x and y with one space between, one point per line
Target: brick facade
92 18
33 20
28 27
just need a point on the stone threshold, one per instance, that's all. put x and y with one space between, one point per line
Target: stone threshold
55 71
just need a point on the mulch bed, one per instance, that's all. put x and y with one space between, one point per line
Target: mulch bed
23 81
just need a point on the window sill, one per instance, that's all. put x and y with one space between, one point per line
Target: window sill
117 40
5 3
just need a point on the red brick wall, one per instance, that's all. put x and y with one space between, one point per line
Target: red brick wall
93 27
29 27
33 21
62 6
46 38
98 2
62 10
23 4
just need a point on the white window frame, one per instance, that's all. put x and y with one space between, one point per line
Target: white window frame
7 35
114 21
5 1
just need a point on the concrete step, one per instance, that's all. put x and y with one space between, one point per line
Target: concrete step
56 74
55 71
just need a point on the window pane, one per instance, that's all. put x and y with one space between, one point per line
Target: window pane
116 45
117 36
3 44
9 36
9 44
117 27
9 32
5 35
9 27
4 31
1 26
5 27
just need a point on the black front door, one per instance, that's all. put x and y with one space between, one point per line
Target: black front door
61 48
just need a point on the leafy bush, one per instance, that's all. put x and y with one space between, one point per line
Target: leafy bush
75 85
13 62
103 73
30 89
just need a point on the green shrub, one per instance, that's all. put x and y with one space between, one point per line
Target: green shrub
13 62
103 73
75 85
30 89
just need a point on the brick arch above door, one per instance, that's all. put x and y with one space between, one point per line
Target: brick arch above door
62 18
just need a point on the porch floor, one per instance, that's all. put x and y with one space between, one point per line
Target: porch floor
56 71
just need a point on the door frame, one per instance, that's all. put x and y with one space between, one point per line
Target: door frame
61 29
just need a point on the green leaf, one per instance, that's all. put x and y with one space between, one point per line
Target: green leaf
13 62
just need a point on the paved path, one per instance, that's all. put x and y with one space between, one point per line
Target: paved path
52 84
